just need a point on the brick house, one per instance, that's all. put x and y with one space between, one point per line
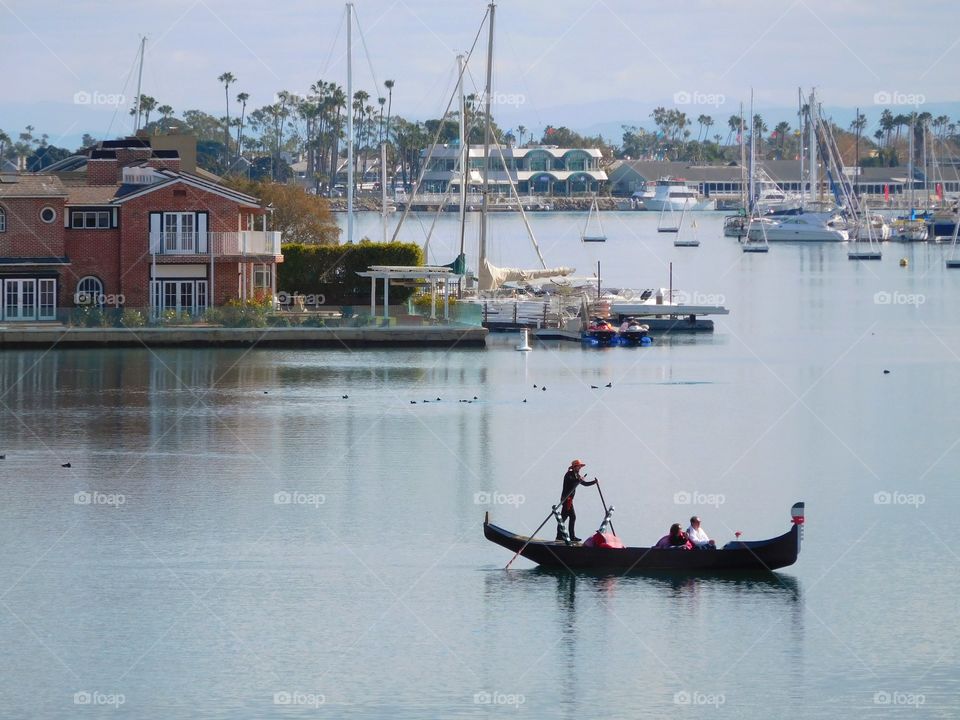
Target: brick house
126 224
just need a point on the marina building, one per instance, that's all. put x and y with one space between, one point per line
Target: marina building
543 170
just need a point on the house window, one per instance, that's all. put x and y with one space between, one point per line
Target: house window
87 219
179 233
89 291
48 214
262 279
3 220
179 296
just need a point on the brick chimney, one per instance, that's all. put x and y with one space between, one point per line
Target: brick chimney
165 160
132 155
102 168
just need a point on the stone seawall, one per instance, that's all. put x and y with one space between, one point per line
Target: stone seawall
63 337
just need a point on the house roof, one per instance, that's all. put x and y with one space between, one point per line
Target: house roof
128 192
31 185
92 194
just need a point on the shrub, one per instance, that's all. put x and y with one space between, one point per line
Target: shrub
331 270
132 319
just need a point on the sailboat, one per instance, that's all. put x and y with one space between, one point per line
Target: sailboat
489 276
672 225
686 241
953 261
753 243
586 235
872 250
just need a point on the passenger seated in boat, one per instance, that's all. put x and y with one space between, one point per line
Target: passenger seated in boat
675 540
698 536
625 325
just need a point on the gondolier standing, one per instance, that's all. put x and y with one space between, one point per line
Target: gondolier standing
570 482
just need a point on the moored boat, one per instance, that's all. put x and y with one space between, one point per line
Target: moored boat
600 331
633 332
736 556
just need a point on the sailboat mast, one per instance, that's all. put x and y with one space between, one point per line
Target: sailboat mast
488 94
803 190
349 123
910 160
743 164
464 159
812 140
753 132
136 112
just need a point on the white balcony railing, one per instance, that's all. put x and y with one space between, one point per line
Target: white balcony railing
241 243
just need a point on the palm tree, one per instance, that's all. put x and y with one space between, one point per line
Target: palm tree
760 128
148 105
886 125
227 78
782 130
242 99
521 131
388 84
382 102
733 123
701 121
857 127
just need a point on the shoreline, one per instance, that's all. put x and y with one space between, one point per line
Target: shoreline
445 336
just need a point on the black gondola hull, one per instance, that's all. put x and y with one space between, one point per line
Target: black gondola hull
761 555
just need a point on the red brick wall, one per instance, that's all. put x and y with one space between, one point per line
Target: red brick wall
27 235
102 172
91 252
165 164
129 156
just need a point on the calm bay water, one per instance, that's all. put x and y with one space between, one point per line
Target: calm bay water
234 539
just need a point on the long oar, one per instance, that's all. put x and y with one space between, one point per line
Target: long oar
533 534
604 505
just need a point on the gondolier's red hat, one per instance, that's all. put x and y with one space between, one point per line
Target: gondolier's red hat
577 464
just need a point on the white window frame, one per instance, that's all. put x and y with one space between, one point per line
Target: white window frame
89 295
51 209
14 289
179 233
3 220
46 299
263 269
177 291
101 219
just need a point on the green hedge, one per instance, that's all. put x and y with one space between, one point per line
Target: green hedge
331 270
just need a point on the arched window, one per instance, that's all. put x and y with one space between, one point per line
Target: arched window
89 291
3 220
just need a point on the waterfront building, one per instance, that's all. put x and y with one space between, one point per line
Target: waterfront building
126 224
542 170
722 182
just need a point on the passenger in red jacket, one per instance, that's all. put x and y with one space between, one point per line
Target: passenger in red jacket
675 540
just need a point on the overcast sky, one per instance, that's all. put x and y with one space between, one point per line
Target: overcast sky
589 65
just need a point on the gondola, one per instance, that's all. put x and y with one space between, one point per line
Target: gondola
739 556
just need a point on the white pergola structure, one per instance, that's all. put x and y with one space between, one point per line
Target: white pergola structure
435 275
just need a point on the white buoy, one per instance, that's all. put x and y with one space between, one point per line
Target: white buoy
524 345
